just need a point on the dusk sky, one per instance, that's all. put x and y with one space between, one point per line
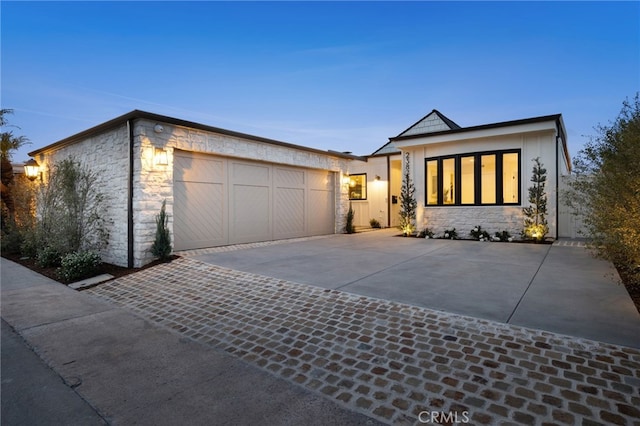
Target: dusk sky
328 75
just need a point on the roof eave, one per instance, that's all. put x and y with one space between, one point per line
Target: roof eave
138 114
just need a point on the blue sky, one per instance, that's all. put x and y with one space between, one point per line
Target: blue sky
329 75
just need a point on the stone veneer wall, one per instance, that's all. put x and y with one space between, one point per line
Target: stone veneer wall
154 183
106 154
491 218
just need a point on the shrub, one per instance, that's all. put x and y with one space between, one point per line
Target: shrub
450 234
79 265
479 234
374 223
12 238
70 210
606 189
426 233
503 236
349 227
48 256
161 247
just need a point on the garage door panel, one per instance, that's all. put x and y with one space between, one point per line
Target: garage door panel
321 206
199 169
248 174
288 178
320 179
250 217
199 220
290 213
220 201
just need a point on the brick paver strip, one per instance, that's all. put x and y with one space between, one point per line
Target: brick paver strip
389 360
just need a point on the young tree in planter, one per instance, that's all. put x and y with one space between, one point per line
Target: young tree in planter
161 247
349 227
408 203
535 222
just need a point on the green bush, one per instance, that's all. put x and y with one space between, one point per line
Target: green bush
479 234
12 238
350 228
48 256
161 247
374 223
79 265
426 233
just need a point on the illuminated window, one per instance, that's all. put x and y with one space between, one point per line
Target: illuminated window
432 182
485 178
510 178
358 187
488 179
449 181
467 180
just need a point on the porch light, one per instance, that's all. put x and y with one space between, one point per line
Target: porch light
160 157
32 169
346 180
377 178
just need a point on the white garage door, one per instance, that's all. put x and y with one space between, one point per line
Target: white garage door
220 201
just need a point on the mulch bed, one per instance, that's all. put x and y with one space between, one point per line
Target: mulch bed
105 268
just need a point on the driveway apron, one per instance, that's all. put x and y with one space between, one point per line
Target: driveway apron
395 362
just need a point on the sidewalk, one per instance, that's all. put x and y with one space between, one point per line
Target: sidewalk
130 370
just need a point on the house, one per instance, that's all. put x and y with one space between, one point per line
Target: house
223 187
464 176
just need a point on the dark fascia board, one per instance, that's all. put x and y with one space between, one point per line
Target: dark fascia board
554 117
138 114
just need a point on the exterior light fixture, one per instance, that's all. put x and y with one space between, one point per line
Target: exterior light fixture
377 178
32 169
346 180
160 157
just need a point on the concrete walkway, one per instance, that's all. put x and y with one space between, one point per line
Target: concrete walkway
559 288
85 361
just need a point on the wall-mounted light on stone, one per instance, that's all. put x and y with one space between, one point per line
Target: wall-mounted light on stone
32 170
160 157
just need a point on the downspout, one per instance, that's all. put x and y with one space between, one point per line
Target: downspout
557 181
130 260
389 191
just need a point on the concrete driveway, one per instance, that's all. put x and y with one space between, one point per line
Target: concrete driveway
557 288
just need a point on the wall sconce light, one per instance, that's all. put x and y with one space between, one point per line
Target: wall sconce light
377 178
160 157
32 170
346 180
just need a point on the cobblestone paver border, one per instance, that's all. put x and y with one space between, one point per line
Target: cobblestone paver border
394 362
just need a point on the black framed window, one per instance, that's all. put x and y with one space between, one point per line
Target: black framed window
358 187
481 178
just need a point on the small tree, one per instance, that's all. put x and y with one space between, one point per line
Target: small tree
408 203
349 227
535 222
161 247
70 210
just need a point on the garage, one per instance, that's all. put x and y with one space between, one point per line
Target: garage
223 200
